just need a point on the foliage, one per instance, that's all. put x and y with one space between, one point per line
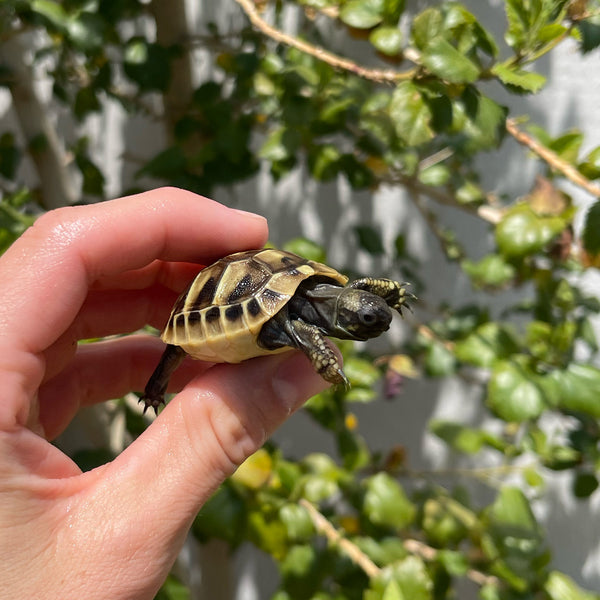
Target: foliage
418 121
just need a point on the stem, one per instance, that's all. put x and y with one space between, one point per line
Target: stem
352 551
172 30
550 157
55 182
359 558
338 62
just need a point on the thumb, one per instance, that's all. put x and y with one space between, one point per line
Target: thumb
152 491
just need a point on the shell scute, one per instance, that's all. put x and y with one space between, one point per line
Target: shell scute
220 315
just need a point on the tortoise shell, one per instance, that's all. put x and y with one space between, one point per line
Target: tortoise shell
218 318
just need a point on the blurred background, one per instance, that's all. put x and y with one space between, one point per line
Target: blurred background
450 145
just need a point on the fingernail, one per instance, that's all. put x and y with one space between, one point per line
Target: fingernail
248 215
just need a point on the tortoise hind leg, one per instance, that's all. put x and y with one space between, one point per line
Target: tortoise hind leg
154 393
393 292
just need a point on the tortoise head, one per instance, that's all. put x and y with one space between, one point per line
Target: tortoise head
360 315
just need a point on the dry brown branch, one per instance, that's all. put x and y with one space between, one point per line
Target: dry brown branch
549 156
353 552
338 62
359 558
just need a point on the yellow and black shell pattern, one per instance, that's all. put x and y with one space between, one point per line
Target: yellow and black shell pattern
218 318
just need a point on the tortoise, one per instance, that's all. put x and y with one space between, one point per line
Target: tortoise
259 302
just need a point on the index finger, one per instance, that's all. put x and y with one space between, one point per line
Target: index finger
45 275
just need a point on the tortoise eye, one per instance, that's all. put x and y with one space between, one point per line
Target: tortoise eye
367 317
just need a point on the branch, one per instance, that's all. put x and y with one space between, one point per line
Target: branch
359 558
486 212
550 157
172 30
338 62
352 551
55 182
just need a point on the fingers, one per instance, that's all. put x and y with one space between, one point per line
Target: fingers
69 249
100 371
221 417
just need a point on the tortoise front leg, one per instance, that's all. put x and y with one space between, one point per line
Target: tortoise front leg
393 292
154 394
313 343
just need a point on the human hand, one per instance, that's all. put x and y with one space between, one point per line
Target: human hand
94 271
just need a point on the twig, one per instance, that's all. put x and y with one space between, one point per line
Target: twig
352 551
56 181
380 75
359 558
486 212
568 170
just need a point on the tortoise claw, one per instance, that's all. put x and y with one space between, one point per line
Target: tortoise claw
153 403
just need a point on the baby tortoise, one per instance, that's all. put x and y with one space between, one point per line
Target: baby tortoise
263 301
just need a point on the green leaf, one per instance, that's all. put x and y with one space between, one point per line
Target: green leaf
406 579
147 64
559 586
411 115
590 167
491 271
369 239
306 248
359 175
324 161
514 394
436 175
567 145
445 61
53 11
173 589
578 388
166 164
439 360
393 9
255 471
513 541
426 26
88 31
223 516
281 144
522 232
385 503
297 522
361 372
443 527
459 437
511 75
470 193
518 23
388 40
362 14
488 343
591 230
585 485
10 155
513 527
456 563
485 119
590 33
266 531
86 101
